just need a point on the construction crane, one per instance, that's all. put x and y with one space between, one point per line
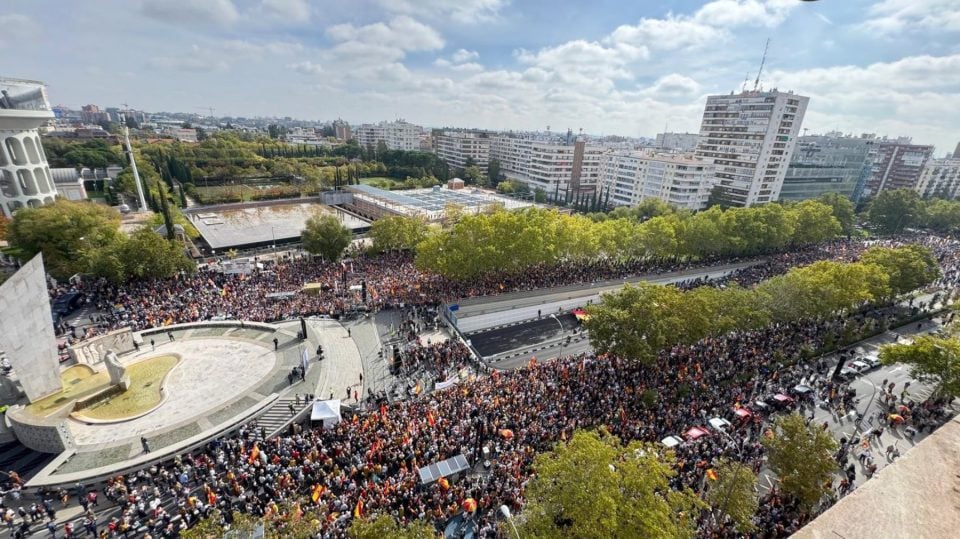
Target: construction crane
211 109
763 60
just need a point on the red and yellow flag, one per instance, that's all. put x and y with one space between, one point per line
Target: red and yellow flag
430 419
254 454
317 492
358 510
712 474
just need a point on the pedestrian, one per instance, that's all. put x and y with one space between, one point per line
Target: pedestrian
348 332
136 346
170 335
296 399
293 410
276 344
145 444
348 393
52 528
153 345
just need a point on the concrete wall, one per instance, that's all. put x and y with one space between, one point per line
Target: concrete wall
92 351
26 330
46 435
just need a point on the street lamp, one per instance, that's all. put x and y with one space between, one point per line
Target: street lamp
561 336
505 511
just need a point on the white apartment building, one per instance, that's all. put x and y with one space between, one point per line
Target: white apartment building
182 134
458 147
682 180
940 178
398 135
683 142
750 137
25 179
551 166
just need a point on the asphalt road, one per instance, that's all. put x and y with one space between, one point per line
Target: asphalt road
526 334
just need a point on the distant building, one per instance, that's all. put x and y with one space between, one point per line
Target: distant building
24 173
828 164
457 148
180 133
940 178
956 152
398 135
92 114
683 142
898 165
750 137
681 180
552 166
341 130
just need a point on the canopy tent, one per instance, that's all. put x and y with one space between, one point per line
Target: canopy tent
695 433
719 423
742 412
444 468
671 441
780 397
327 412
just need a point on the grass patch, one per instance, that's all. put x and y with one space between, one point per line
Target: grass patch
143 394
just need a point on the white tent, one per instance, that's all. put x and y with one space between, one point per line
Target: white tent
327 412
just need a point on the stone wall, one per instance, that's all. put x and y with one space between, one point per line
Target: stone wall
46 435
91 351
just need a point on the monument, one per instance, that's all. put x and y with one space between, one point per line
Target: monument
118 373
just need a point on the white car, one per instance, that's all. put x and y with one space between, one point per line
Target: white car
859 366
719 423
873 361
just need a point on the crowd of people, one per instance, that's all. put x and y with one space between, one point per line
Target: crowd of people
368 464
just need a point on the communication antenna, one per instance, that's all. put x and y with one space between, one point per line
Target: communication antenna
746 80
763 60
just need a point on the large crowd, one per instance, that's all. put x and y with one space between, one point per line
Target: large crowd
368 464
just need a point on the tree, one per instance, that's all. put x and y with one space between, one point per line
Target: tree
842 210
387 526
801 455
893 211
397 233
734 493
594 486
931 359
4 224
814 222
65 232
910 267
326 236
493 171
144 255
720 196
472 174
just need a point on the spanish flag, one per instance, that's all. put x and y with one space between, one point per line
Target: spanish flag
383 411
211 497
444 484
430 418
712 474
358 510
254 454
317 492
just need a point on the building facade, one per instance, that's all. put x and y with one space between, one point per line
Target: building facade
681 180
940 178
24 174
549 165
341 130
898 165
458 148
682 142
398 135
828 164
750 137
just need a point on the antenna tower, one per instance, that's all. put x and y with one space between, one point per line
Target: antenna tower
763 60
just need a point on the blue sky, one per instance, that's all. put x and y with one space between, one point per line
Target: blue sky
890 67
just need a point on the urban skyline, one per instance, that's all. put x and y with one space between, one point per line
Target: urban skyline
880 67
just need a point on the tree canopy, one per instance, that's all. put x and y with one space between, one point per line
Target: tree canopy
387 526
397 233
894 210
594 486
801 455
931 359
910 267
326 236
734 493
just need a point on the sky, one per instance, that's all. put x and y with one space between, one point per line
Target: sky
615 67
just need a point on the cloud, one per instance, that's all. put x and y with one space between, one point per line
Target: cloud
197 60
668 34
897 16
402 33
295 11
463 55
17 28
259 50
673 86
306 67
769 13
468 67
461 11
218 12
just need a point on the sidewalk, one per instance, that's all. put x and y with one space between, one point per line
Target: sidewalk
342 365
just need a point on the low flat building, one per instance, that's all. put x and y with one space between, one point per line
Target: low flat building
431 204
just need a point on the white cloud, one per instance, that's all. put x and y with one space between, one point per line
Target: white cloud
294 11
769 13
401 32
468 67
306 67
259 50
462 11
199 59
218 12
17 28
896 16
673 86
463 55
668 34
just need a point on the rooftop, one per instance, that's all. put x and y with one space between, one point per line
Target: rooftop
432 202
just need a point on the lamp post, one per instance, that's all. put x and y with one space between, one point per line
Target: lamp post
505 511
561 336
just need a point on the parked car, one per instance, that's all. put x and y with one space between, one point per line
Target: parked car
719 423
859 366
66 304
873 361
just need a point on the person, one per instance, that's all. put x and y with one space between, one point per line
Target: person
153 345
170 335
276 344
136 346
145 444
348 332
293 410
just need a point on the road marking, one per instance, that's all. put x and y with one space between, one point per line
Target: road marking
895 370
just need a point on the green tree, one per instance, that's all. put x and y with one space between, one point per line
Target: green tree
801 455
387 526
814 222
594 486
734 493
397 233
65 232
472 174
932 359
842 210
493 171
910 267
326 236
942 216
895 210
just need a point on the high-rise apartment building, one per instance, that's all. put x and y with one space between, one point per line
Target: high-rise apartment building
552 166
341 130
940 178
829 163
460 148
682 142
24 174
749 137
678 179
898 165
398 135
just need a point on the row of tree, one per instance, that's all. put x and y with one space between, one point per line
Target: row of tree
639 321
892 212
513 241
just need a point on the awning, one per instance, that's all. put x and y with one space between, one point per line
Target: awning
326 411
